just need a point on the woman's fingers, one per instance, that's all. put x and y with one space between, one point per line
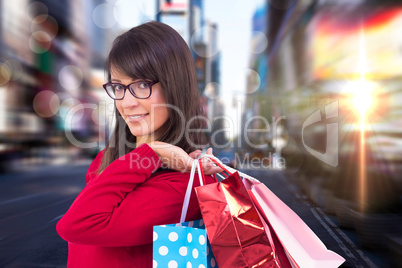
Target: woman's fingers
209 151
176 158
212 170
185 161
208 167
195 154
173 157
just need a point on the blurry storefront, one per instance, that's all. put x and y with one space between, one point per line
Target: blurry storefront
46 61
258 102
187 18
333 71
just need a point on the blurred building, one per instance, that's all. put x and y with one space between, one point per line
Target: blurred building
47 52
258 102
305 78
332 72
212 89
177 14
187 17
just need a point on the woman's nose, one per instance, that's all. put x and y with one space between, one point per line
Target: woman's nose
129 100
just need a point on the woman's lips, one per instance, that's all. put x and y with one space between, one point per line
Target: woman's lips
136 118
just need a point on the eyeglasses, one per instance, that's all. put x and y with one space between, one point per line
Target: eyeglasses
140 89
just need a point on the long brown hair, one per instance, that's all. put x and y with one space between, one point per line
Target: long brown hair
155 51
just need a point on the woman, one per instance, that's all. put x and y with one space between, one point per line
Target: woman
140 178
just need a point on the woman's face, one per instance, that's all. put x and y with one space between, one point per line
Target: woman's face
143 116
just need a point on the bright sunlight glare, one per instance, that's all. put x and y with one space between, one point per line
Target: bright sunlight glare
363 98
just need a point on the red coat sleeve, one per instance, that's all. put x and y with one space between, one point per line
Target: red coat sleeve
122 204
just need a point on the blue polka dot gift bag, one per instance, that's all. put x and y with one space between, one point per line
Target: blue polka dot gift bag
178 246
185 244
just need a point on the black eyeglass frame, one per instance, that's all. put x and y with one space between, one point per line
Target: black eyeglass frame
150 84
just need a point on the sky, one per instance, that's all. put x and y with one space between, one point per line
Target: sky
234 37
234 27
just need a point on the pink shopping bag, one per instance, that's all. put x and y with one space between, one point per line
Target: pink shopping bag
301 244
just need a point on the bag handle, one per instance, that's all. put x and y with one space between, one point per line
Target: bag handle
227 168
196 165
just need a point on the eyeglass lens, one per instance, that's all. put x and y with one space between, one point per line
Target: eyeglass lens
140 90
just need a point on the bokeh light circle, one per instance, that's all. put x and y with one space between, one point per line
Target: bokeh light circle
95 115
103 16
254 81
46 103
69 103
63 96
98 117
212 90
5 74
42 37
47 23
38 20
71 111
66 101
260 42
76 113
196 38
70 77
15 68
39 42
36 8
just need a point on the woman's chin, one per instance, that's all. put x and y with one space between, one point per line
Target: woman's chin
142 135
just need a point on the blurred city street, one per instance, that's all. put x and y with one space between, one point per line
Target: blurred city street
32 201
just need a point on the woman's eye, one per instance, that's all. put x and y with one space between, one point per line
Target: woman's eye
118 87
143 86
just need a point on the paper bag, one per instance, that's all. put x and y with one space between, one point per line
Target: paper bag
235 231
182 245
301 244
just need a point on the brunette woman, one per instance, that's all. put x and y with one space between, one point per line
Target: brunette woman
140 178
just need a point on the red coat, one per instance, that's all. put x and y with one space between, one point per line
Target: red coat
110 222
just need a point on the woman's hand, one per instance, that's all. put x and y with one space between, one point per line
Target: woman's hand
176 158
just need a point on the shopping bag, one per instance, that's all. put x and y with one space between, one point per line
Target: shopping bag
291 237
184 244
301 244
234 228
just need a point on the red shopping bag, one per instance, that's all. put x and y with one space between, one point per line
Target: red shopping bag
234 228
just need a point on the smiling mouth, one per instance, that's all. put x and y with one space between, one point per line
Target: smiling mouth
136 116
